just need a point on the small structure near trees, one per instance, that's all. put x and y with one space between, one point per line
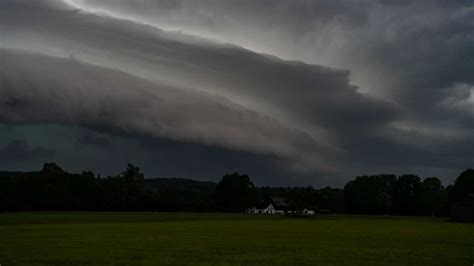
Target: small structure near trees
280 206
270 209
463 211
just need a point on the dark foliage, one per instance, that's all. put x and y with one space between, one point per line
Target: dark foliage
53 189
176 194
463 185
235 193
370 194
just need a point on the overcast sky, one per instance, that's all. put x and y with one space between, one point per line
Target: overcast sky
290 92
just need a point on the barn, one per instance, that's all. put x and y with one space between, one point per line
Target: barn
274 206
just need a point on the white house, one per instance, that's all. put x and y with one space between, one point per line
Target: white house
270 209
280 206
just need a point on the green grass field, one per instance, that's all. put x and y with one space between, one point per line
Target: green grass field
224 239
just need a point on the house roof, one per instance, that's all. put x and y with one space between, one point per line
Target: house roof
279 201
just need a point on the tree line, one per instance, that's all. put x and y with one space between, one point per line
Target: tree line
53 189
405 194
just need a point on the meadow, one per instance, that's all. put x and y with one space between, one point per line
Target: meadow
231 239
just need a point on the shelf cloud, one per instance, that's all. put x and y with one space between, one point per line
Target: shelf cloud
315 90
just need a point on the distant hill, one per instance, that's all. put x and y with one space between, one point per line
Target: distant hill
14 173
177 184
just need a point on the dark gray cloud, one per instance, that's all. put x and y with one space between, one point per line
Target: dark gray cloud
395 94
92 140
20 152
409 52
42 90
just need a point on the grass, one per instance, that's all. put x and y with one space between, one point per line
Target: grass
225 239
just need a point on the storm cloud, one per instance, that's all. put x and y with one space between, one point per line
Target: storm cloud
363 86
20 152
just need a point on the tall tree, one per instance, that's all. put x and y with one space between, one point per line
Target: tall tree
370 194
432 195
131 187
463 185
407 194
235 193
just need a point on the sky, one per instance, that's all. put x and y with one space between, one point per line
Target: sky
301 92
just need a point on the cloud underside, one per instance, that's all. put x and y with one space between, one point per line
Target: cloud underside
19 151
44 89
75 68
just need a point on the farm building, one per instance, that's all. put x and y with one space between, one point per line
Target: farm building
280 206
280 203
270 209
463 211
274 205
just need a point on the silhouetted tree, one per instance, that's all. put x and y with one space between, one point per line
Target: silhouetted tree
6 193
384 202
370 194
331 199
432 195
235 193
52 188
52 169
463 185
407 194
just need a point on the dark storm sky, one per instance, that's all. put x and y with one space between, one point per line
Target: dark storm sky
290 92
